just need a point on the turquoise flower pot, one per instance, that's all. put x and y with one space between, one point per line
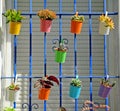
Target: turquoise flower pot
74 92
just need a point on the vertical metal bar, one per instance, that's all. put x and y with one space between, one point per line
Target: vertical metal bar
75 58
60 37
90 46
45 56
105 51
30 58
15 53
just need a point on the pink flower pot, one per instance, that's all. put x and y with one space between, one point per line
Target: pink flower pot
45 25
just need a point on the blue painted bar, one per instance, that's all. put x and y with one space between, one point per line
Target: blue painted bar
90 49
60 65
105 51
30 57
15 53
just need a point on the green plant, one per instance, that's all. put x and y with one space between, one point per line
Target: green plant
14 87
13 15
78 18
46 82
107 83
76 82
8 109
46 14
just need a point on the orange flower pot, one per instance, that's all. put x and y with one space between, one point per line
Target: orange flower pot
15 28
76 27
43 94
45 25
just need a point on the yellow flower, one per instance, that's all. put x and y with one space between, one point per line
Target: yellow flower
108 21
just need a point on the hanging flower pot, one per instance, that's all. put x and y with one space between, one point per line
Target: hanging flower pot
104 91
60 56
43 93
76 23
12 93
15 28
76 27
75 88
44 84
106 23
15 19
105 88
45 25
46 16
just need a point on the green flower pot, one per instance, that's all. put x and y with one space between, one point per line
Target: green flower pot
60 56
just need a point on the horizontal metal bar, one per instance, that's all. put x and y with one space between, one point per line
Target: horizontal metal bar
69 14
12 77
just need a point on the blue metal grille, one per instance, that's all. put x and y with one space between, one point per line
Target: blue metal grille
60 14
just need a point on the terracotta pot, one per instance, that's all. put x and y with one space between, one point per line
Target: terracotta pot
103 29
104 91
76 27
15 28
43 93
45 25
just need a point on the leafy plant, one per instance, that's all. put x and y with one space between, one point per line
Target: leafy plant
76 82
78 18
9 109
46 82
13 15
46 14
107 20
14 87
107 83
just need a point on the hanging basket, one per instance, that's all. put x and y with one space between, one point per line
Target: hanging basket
43 93
15 28
60 56
103 29
104 91
74 91
76 27
11 95
45 25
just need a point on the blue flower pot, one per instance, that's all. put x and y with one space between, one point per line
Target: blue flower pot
74 92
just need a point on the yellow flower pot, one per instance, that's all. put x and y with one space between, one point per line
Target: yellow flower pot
15 28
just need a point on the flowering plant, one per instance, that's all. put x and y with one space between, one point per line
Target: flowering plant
14 87
78 18
107 83
107 20
46 14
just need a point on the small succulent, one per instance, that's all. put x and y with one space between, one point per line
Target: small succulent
46 14
62 46
107 20
78 18
13 15
46 82
76 82
14 87
107 83
9 109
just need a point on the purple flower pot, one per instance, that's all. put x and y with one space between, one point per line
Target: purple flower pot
104 91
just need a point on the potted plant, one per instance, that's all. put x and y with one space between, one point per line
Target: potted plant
61 52
106 23
75 88
14 18
105 87
12 92
44 84
46 16
76 23
8 109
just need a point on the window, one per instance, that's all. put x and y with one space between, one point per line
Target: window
35 57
